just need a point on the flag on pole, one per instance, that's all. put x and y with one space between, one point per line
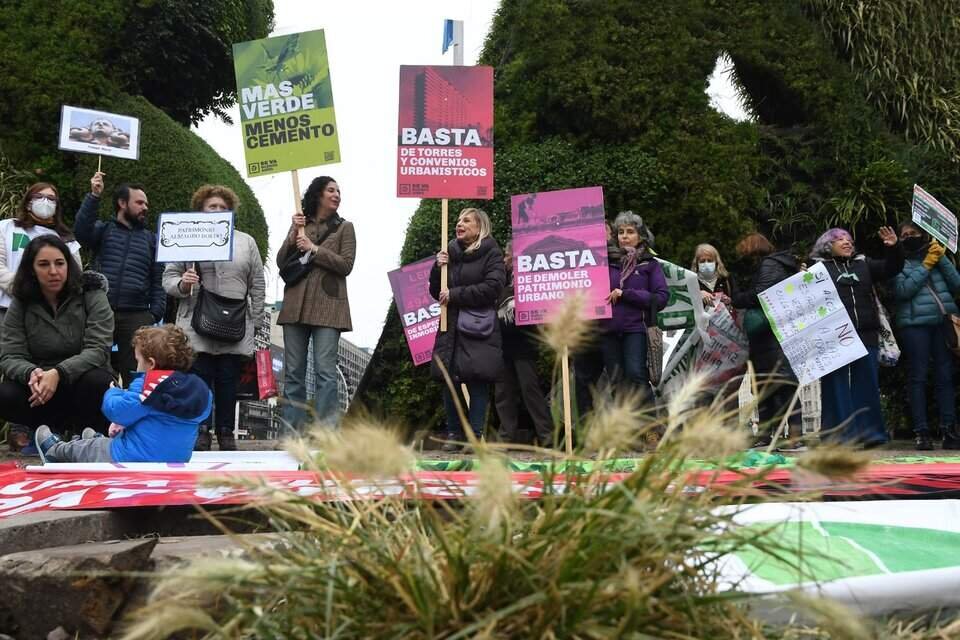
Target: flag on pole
447 34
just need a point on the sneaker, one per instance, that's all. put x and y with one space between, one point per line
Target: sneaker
90 434
44 440
924 443
762 442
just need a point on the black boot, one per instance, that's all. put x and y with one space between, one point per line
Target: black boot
226 441
204 441
951 439
924 443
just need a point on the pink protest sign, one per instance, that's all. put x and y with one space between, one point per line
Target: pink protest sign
559 250
419 312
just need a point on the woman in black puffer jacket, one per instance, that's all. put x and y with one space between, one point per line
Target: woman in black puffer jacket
850 396
470 349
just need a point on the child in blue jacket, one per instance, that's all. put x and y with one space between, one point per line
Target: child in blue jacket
155 420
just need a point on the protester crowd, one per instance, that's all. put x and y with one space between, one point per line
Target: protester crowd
81 351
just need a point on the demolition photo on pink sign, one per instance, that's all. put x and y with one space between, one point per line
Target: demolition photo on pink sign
559 251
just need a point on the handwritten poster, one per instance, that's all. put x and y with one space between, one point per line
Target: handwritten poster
559 250
195 236
419 312
811 324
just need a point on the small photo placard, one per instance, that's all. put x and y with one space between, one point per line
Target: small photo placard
99 132
195 236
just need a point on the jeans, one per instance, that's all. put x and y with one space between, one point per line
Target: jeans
476 413
625 359
74 404
221 372
919 344
521 382
850 396
326 401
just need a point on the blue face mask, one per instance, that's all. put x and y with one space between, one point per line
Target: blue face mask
707 269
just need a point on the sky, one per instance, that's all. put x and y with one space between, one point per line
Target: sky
367 41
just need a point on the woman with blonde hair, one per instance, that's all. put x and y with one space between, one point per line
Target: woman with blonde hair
716 284
219 361
470 348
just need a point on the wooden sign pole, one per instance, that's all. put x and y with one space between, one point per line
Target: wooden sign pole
444 234
567 410
99 158
296 197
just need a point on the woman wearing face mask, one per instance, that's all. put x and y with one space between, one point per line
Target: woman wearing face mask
638 290
715 282
925 291
39 213
470 348
850 396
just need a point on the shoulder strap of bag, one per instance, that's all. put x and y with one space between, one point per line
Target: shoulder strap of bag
936 299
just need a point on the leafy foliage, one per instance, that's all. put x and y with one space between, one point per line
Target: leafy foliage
98 54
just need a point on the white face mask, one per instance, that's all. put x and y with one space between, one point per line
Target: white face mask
707 269
43 208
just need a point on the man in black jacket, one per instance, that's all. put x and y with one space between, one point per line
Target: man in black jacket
124 250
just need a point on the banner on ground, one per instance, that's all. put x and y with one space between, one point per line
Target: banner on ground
445 132
812 325
286 103
419 312
935 218
559 250
99 132
195 237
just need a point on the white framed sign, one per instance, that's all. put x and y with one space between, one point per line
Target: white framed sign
195 236
99 132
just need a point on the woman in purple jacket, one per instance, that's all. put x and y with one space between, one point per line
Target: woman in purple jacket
638 290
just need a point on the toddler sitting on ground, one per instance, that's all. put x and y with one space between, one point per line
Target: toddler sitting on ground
155 420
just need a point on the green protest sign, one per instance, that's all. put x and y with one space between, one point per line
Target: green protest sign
935 218
286 103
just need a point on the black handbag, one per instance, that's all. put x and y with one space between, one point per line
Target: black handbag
219 317
294 270
476 323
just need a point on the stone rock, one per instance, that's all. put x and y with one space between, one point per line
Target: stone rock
43 529
78 587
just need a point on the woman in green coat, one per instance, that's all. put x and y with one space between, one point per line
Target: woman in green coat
57 334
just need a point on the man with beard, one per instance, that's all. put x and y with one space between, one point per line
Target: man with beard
123 250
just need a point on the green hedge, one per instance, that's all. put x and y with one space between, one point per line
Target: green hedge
612 93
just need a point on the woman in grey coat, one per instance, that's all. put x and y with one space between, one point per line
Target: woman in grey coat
218 363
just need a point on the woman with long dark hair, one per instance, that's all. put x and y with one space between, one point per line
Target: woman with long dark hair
57 334
315 306
39 212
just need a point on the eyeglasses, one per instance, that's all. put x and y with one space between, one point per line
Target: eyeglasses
42 196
